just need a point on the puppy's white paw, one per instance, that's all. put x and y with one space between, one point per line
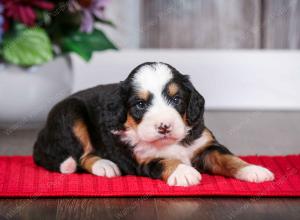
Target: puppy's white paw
184 175
256 174
68 166
105 168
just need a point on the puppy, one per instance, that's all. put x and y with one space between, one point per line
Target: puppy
151 125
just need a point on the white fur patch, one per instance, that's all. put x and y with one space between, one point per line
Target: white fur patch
253 173
184 175
68 166
143 151
152 78
174 151
105 168
130 136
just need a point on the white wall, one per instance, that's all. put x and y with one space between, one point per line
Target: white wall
227 79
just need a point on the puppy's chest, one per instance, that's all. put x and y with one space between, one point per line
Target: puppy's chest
176 151
143 152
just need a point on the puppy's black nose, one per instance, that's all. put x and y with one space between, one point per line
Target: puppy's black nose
164 129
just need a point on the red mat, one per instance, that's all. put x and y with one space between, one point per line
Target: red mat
20 177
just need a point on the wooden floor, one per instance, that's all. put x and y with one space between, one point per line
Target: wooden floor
244 133
144 208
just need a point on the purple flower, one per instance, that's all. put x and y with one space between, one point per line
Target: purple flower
89 9
1 21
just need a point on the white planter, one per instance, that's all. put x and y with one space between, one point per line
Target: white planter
27 95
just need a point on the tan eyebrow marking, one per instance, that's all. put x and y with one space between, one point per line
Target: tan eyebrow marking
144 95
172 89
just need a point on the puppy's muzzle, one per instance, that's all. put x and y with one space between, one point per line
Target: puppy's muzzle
164 128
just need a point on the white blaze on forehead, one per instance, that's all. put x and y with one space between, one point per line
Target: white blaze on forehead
152 78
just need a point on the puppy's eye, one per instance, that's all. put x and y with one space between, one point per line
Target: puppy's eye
176 100
141 105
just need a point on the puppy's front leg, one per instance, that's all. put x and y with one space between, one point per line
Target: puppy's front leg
99 166
217 159
172 171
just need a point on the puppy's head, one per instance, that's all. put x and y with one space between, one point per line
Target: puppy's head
162 105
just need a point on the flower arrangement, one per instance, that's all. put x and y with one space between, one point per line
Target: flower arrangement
33 32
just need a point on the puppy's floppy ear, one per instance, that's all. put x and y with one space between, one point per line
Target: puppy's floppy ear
195 108
123 92
114 113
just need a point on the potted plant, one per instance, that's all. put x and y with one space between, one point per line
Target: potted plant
35 38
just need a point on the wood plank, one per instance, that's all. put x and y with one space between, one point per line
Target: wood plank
151 208
29 208
228 208
281 24
106 208
200 24
125 15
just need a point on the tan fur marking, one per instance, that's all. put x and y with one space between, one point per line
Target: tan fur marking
209 138
81 132
172 89
223 164
143 160
143 95
217 163
169 166
130 122
88 161
184 118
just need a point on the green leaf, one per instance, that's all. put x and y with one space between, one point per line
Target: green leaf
84 44
27 47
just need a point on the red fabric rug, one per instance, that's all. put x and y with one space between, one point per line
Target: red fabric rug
20 177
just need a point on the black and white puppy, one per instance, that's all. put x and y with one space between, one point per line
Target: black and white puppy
151 125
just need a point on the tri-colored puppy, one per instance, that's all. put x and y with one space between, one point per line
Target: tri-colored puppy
151 125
